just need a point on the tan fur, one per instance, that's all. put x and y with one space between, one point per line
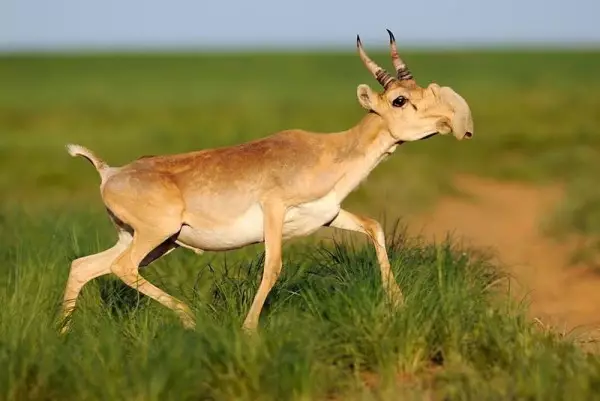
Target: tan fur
281 186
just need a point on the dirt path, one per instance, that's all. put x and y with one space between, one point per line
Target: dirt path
506 218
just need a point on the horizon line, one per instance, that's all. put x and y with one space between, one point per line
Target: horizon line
295 47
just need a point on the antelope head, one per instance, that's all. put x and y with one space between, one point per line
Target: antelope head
409 111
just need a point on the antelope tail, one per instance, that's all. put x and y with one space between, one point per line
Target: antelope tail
99 164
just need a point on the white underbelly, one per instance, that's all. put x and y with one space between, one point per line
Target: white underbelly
248 228
308 217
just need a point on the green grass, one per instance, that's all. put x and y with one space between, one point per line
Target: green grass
326 329
535 118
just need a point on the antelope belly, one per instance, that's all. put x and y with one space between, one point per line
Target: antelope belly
241 231
248 228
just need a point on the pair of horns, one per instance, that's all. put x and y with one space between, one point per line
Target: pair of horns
382 76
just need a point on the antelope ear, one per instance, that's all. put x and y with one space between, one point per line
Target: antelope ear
435 88
366 97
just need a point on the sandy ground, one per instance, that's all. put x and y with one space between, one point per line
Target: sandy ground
504 217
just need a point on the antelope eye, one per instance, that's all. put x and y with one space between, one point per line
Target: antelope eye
399 101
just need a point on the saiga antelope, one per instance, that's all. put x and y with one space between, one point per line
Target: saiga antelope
281 186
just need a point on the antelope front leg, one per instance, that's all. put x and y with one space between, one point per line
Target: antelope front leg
273 227
351 222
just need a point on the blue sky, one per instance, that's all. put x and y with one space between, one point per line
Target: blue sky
130 24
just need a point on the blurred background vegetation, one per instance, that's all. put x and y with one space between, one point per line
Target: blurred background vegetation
535 116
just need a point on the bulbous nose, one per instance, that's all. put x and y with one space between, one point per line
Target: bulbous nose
468 134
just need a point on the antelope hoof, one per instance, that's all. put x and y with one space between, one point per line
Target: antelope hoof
188 322
395 296
250 326
65 329
187 317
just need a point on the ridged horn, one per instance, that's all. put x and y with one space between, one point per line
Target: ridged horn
381 75
402 71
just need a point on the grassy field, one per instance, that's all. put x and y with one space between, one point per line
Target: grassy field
326 332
